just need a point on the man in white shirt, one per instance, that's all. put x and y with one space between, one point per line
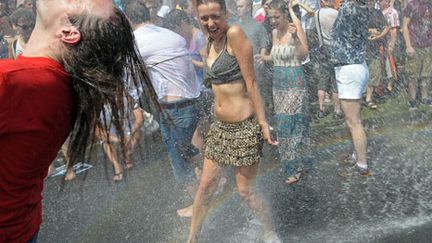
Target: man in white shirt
173 76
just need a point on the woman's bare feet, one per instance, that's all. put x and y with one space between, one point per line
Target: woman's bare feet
70 174
188 211
185 212
192 239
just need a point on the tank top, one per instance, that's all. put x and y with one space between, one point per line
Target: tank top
225 68
285 55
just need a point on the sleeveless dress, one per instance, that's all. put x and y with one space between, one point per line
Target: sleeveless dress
291 106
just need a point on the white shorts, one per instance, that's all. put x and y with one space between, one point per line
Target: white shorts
352 80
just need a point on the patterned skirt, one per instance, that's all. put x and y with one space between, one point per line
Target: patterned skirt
237 144
291 109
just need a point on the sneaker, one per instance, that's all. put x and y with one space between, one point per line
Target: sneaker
354 171
426 101
412 105
348 160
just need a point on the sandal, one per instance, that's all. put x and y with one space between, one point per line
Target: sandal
293 179
118 177
371 105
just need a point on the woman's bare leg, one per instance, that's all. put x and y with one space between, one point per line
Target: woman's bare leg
112 156
245 179
70 173
111 153
207 186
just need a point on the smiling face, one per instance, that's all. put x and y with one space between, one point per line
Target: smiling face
213 19
278 20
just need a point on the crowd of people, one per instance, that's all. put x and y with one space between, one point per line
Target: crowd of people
218 75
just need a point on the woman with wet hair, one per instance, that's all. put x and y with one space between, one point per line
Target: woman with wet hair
289 86
74 64
239 128
97 66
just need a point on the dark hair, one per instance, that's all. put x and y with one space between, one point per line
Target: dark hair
137 12
175 17
220 2
279 5
99 64
282 6
29 19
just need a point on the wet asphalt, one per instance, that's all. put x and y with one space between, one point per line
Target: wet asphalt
392 205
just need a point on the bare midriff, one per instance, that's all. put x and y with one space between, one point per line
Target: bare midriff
232 103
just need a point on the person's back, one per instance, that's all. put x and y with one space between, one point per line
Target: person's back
349 33
30 138
168 60
327 17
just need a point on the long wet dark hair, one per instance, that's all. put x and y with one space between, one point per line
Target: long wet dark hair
99 65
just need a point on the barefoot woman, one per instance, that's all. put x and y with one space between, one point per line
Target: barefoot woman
236 135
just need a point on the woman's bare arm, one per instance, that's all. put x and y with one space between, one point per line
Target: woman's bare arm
303 49
242 50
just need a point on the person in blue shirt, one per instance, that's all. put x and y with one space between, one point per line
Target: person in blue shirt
349 38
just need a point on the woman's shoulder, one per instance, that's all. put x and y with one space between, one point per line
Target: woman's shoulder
234 31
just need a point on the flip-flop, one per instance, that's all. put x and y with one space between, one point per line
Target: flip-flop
293 179
118 177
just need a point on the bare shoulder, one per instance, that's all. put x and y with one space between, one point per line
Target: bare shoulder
235 31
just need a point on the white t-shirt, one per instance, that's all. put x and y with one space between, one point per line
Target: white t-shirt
327 17
168 61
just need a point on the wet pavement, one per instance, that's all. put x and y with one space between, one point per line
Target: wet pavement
392 205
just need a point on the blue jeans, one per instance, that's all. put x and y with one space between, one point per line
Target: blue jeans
34 237
177 127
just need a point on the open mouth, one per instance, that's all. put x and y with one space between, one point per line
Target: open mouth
213 30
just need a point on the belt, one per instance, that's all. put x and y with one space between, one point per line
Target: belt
178 104
341 64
